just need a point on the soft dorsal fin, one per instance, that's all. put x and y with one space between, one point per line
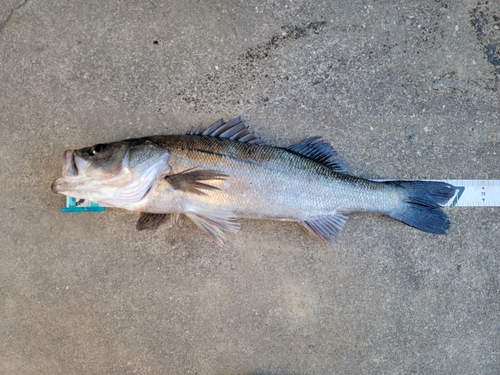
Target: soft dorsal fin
234 129
319 151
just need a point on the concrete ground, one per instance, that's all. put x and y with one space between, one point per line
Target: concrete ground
405 89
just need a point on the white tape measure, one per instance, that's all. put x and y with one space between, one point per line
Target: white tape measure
471 193
475 193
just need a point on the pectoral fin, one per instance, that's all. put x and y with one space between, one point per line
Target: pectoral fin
326 228
190 180
214 223
150 221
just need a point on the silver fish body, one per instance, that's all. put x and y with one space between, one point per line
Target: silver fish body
222 173
264 182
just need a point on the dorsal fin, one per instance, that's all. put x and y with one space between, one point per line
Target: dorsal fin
234 129
319 151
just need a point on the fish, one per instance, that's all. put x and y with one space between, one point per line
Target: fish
224 172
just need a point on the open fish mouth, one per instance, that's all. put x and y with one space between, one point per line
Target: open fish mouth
72 167
69 168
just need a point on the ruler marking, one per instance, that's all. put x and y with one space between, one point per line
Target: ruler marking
471 193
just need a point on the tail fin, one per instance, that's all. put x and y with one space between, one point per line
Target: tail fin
421 208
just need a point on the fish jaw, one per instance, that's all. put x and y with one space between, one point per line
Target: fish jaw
72 179
69 166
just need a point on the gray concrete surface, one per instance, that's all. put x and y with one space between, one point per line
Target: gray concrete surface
403 89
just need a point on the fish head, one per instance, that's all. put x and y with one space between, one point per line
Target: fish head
118 174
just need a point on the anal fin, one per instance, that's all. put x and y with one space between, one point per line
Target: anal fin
326 228
214 223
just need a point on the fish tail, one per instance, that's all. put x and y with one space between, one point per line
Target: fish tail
421 206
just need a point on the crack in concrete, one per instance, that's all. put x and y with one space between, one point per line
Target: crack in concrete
10 13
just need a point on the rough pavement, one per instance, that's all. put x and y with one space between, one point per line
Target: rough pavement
403 89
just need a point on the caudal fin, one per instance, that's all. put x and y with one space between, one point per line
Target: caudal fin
421 206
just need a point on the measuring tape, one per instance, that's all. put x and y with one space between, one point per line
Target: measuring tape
475 193
470 193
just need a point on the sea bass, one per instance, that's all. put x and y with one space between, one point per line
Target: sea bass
224 172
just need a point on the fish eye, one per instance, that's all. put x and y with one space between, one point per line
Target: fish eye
94 150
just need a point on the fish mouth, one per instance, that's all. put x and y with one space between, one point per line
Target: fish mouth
70 168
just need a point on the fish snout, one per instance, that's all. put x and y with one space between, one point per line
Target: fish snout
54 187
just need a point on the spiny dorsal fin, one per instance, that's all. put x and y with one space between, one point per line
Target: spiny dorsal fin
326 228
190 180
150 221
319 151
235 130
214 223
